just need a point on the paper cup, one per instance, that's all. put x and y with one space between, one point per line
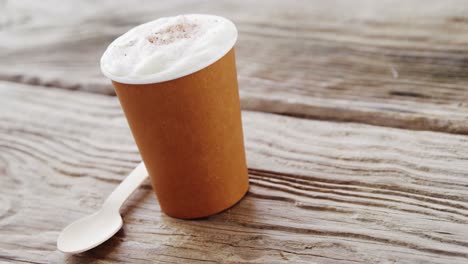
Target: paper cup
189 133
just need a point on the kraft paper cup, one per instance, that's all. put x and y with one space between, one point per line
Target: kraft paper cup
189 133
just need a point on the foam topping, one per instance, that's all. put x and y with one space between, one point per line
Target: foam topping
168 48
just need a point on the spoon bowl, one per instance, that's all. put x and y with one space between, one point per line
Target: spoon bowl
92 230
89 231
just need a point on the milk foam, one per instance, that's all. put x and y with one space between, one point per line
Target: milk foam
168 48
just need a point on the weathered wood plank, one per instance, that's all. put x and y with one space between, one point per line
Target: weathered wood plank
321 191
389 63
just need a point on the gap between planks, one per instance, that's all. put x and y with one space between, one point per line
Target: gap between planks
327 60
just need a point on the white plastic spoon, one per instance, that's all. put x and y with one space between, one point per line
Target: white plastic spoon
92 230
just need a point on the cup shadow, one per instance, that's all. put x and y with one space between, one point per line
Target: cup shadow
227 231
239 216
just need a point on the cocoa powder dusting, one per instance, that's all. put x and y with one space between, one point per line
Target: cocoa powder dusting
172 33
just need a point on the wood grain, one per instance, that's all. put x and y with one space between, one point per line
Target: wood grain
321 192
388 63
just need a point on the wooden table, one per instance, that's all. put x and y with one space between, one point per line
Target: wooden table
356 123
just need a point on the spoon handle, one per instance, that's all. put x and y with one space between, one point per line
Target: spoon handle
127 187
